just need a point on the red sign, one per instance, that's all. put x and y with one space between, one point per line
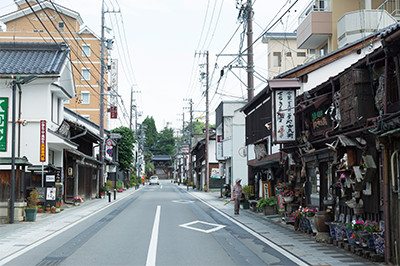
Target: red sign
113 111
42 140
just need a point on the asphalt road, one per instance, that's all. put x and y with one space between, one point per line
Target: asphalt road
158 225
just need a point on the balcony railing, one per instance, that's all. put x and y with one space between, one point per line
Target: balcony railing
355 25
315 6
392 7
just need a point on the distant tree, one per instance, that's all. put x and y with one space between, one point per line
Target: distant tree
166 142
198 127
150 132
125 147
149 169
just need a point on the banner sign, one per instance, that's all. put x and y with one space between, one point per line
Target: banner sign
42 140
215 173
3 123
283 109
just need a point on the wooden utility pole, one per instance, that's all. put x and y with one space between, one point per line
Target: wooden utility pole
130 116
207 129
250 54
190 142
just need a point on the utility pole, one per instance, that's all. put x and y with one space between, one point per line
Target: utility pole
130 115
101 98
207 128
101 111
250 54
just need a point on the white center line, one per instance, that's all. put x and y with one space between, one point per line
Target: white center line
152 253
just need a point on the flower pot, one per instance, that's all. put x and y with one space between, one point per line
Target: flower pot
321 220
366 239
47 209
351 237
340 233
332 231
246 204
379 241
312 224
30 215
58 209
53 210
268 210
288 199
77 203
40 210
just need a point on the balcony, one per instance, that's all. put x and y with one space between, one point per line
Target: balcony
315 25
355 25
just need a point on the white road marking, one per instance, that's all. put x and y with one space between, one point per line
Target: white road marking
263 239
152 253
183 201
216 226
160 186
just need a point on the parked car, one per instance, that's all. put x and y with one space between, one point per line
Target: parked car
154 180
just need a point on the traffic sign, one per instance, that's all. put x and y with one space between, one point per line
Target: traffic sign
109 151
109 142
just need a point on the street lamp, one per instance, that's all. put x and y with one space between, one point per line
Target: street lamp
14 84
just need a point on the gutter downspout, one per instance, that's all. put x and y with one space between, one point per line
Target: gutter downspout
79 135
386 209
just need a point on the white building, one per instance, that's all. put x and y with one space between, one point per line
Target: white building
230 148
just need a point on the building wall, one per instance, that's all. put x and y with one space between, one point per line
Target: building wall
290 57
29 29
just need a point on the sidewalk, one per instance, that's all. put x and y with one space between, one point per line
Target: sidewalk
17 238
300 244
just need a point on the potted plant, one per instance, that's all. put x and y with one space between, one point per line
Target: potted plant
77 201
31 209
267 206
48 207
39 208
288 195
58 206
246 191
53 209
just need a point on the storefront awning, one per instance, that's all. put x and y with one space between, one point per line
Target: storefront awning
47 168
265 162
18 161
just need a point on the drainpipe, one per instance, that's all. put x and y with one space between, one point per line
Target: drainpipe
386 209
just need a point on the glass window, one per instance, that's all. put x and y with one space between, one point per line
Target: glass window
85 97
301 54
85 73
277 59
61 24
86 50
289 54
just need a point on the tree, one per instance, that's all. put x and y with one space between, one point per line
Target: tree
125 147
165 144
150 132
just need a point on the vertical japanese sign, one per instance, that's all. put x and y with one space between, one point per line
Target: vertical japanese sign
220 153
114 74
42 140
283 109
3 123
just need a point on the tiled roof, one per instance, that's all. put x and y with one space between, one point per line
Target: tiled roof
389 30
32 58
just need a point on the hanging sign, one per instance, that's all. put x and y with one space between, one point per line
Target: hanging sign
3 123
42 140
283 110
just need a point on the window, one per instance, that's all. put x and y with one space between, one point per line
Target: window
289 54
61 25
85 74
301 54
277 59
54 108
85 97
324 50
86 50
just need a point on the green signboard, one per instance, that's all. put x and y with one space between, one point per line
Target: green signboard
3 123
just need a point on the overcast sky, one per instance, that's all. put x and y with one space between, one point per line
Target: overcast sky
162 38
